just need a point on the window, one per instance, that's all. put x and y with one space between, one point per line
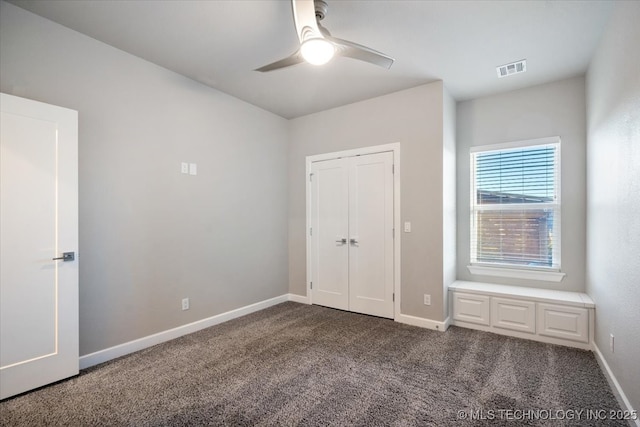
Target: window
515 205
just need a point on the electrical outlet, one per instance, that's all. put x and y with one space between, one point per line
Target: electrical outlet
427 299
185 303
184 167
611 341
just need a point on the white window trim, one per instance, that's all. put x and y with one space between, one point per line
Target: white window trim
515 144
540 274
514 273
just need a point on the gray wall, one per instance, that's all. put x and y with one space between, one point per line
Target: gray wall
413 117
150 236
449 220
613 183
551 109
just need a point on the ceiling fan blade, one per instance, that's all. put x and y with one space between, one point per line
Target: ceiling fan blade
304 17
363 53
294 59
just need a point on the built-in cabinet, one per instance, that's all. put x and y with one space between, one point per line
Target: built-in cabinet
556 317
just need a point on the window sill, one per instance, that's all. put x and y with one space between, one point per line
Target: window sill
545 276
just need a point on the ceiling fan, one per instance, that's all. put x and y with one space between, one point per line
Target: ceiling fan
317 45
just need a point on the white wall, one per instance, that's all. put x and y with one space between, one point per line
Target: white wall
613 183
414 118
553 109
150 236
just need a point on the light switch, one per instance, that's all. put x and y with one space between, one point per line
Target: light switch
407 227
193 169
184 167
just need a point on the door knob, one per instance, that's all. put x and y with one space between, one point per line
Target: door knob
353 241
66 256
342 241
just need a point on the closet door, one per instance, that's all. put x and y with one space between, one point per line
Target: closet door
371 234
329 233
351 234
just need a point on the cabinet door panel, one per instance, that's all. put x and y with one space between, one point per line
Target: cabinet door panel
513 314
471 308
565 322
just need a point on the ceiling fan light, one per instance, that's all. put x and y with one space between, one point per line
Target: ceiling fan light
317 51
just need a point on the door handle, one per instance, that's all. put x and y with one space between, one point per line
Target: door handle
66 256
353 241
342 241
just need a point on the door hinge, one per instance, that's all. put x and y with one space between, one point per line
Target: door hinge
310 177
393 168
393 297
310 231
393 233
311 284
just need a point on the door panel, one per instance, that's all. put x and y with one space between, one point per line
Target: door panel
38 220
329 225
371 234
28 226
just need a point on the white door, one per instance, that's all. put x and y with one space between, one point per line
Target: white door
329 233
371 234
38 222
351 235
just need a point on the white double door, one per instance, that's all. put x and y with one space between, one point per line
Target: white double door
38 222
351 235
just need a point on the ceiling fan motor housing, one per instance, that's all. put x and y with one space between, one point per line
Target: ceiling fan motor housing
321 7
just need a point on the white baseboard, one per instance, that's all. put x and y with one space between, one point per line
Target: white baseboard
151 340
447 323
299 298
402 318
615 385
422 322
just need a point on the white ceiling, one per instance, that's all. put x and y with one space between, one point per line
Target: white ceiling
219 43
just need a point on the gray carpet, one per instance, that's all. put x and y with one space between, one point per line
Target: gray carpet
294 364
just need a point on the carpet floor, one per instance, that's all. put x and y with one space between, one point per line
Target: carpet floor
294 364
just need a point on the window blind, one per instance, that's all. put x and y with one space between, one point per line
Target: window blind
515 218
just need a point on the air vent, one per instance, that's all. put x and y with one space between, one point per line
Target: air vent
512 68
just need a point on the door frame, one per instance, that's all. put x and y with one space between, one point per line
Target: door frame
397 241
